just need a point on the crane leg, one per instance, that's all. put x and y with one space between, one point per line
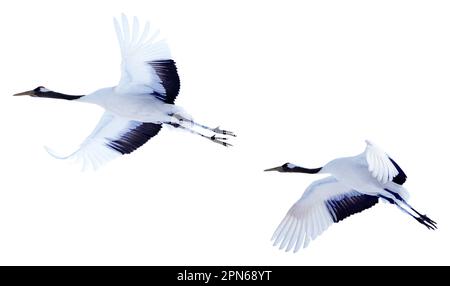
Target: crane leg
217 130
423 219
422 216
214 138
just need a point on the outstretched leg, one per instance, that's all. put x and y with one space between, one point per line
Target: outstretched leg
214 138
423 219
422 216
217 130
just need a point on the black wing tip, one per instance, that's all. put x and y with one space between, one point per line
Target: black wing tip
400 179
134 138
342 208
168 73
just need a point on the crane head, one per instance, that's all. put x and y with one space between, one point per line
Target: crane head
283 168
38 91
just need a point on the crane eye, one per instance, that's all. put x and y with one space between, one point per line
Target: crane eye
41 89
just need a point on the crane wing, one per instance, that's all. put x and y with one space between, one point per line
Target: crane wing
113 136
381 166
147 67
324 202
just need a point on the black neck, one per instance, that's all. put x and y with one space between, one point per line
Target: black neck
297 169
52 94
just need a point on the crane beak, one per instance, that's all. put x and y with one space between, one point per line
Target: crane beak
279 169
29 92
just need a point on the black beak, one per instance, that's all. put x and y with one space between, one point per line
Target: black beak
29 92
279 169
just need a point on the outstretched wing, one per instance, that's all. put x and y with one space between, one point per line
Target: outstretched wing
113 136
325 201
383 168
147 67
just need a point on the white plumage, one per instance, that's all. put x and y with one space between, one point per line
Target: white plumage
356 183
307 219
142 102
379 164
93 152
137 49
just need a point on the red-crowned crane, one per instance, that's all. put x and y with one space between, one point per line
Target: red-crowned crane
355 184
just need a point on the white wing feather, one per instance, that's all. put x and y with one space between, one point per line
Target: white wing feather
94 152
308 217
379 164
137 50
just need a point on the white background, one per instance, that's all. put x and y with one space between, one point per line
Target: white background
304 82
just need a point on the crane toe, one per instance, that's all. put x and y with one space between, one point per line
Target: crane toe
224 132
